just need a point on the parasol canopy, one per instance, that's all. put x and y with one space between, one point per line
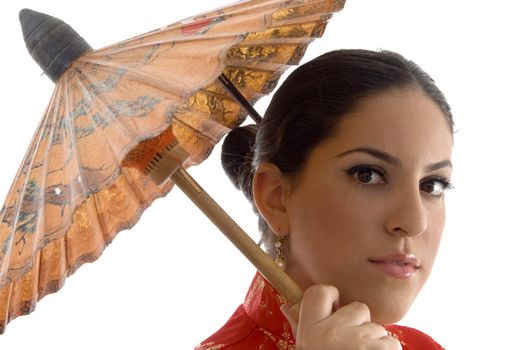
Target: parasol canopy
83 178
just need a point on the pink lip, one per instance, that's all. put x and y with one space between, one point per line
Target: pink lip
397 265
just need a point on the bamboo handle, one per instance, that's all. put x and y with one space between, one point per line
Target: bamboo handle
277 277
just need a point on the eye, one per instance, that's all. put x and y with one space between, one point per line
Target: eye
436 186
367 175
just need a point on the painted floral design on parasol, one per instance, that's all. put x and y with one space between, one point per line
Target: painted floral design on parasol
123 118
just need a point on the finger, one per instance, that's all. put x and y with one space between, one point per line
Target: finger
319 302
372 330
354 314
286 310
391 342
386 343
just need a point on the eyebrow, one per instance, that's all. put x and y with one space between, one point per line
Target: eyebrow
386 157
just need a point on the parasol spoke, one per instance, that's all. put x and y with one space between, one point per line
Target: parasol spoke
234 92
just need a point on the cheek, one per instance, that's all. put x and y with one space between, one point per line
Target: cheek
437 234
332 221
437 222
433 236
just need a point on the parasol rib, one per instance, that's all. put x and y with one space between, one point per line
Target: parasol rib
234 92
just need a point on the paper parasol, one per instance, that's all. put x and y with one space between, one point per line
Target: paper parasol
115 111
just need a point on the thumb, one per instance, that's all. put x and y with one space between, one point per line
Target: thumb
291 316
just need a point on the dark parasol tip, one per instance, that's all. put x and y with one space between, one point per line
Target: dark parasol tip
52 43
30 21
22 13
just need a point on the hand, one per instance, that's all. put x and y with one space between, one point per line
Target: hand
322 325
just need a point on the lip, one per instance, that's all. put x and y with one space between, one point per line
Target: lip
397 265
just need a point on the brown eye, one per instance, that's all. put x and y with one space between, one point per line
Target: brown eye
367 175
436 187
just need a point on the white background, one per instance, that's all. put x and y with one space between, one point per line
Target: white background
168 284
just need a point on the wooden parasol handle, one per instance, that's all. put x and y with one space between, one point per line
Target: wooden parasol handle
277 277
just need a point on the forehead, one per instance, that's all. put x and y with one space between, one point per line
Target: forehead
404 122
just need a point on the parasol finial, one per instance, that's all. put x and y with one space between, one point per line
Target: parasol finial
52 43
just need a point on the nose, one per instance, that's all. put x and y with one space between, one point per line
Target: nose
408 216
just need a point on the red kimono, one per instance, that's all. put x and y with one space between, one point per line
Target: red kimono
258 324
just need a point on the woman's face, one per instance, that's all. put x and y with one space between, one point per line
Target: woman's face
367 212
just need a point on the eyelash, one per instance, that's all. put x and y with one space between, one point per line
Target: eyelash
446 184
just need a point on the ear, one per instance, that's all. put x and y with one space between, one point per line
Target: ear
270 190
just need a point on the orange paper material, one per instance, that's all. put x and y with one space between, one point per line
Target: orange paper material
81 181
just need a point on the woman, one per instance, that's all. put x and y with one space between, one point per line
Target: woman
348 174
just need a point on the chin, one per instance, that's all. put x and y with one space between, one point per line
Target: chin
390 302
387 316
389 310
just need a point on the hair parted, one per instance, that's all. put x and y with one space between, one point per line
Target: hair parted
307 108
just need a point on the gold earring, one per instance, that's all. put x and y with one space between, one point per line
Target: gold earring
280 254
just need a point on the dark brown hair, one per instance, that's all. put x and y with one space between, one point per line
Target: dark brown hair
307 108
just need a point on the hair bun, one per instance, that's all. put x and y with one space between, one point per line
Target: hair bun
236 157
